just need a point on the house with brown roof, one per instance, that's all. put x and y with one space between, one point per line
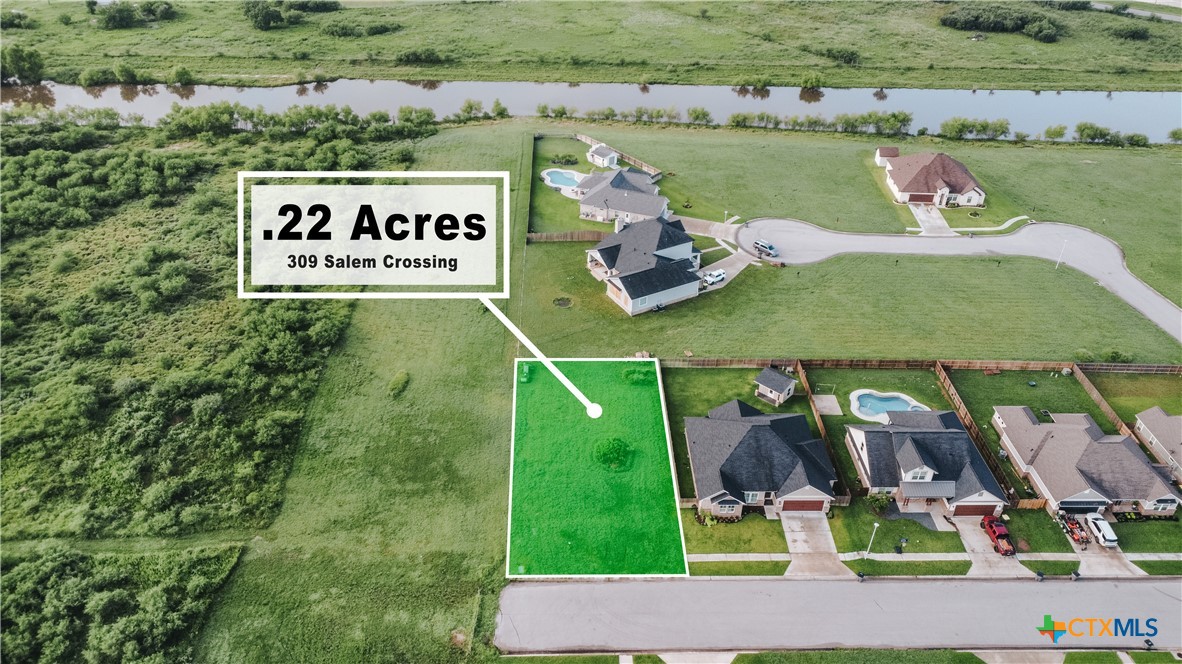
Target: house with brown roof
929 178
1162 434
1078 468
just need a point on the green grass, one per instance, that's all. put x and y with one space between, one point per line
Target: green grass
754 534
1051 567
1161 567
574 511
1091 658
1147 536
550 211
852 526
840 656
562 659
1055 393
1157 9
570 42
1157 657
910 568
740 568
694 392
1036 531
1129 394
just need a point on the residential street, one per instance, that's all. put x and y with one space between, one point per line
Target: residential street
1091 253
738 614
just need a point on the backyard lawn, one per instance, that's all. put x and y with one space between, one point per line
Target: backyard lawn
1036 531
740 568
592 496
1129 394
910 568
754 534
694 392
549 210
853 525
1149 536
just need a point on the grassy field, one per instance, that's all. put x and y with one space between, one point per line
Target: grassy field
740 568
821 310
901 45
754 534
910 568
592 496
1055 393
694 392
1149 536
1051 567
1035 530
1129 394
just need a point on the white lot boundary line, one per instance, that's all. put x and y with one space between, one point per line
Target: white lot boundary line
672 472
506 239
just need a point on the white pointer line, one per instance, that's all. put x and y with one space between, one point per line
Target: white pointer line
594 410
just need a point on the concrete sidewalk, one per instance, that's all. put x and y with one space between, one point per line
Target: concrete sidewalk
735 557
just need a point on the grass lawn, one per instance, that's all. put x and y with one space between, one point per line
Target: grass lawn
819 310
852 526
576 42
1157 657
860 657
1156 8
549 210
1051 567
1055 393
1161 567
1149 536
562 659
694 392
592 496
1101 657
1036 531
740 568
910 568
1129 394
754 534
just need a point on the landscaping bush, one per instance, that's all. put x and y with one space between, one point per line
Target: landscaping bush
565 160
1117 356
398 384
1003 18
878 501
1130 31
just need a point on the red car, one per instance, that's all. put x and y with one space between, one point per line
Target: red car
999 535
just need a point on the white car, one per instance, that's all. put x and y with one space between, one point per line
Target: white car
765 247
714 277
1100 528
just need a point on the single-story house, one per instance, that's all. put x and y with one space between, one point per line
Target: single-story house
603 156
925 455
774 386
933 179
1078 468
881 155
646 264
1162 434
624 196
741 456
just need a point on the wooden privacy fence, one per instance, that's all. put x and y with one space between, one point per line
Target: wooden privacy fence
975 433
1108 367
725 363
647 168
568 236
842 499
1031 504
1105 408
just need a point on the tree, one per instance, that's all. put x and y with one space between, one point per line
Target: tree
124 73
118 15
91 5
543 111
1176 135
613 453
812 81
181 76
499 110
1087 132
1137 140
261 14
21 65
699 115
1055 132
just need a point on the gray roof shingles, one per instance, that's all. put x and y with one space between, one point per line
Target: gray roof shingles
774 380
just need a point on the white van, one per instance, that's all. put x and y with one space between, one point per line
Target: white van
765 247
1100 528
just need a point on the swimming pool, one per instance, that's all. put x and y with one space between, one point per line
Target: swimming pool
873 406
558 177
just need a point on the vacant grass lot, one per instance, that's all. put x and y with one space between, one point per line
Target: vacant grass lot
740 568
754 534
901 45
1129 394
910 568
848 306
592 496
1035 530
1054 393
694 392
1149 536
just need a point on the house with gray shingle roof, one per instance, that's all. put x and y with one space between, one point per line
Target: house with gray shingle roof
928 456
1078 468
743 457
774 386
603 156
1162 434
930 178
624 196
647 264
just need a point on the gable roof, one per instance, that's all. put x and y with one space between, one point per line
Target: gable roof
602 150
1072 455
1166 428
776 381
635 246
929 172
933 439
887 152
662 276
624 190
738 448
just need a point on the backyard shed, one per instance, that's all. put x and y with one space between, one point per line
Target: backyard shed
774 386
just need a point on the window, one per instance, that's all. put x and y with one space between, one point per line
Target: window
726 509
640 301
751 497
917 475
952 198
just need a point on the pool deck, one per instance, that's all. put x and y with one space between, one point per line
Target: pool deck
883 417
567 190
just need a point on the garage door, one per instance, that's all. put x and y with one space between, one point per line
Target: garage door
973 510
921 198
803 506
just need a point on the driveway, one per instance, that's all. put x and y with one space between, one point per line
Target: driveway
733 264
986 562
931 222
1091 253
810 542
768 614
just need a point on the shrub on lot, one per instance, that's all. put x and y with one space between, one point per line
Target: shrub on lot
1130 31
398 384
640 375
1003 18
565 160
613 453
878 501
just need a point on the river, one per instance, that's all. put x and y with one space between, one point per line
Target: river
1151 113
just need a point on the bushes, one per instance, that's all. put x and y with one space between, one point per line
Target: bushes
422 56
16 20
119 15
398 384
345 29
262 15
846 56
1003 18
642 375
313 6
894 123
962 128
565 160
1130 31
96 76
21 65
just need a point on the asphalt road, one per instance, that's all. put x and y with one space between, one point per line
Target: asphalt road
1091 253
1165 16
741 614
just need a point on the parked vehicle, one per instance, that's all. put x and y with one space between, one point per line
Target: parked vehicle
999 535
765 247
1074 529
714 277
1100 528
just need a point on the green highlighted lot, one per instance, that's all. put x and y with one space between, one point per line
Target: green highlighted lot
592 496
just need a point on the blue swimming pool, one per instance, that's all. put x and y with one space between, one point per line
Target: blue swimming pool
877 405
561 178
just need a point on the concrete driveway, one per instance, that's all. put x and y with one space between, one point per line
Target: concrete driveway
986 562
931 222
733 264
1086 251
810 542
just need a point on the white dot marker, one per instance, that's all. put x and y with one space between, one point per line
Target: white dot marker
594 411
